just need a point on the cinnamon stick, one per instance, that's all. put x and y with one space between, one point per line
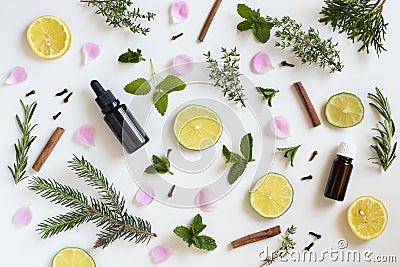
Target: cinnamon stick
264 234
307 103
48 148
209 19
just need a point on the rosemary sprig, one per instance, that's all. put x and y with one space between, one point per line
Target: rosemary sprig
227 77
18 170
308 46
384 147
108 212
286 245
361 20
118 14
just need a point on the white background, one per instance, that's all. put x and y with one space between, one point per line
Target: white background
234 216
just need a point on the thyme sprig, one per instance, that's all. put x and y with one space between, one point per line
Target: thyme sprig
307 45
23 144
383 147
107 212
361 20
227 77
286 245
119 13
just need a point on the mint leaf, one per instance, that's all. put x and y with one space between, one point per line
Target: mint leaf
289 152
131 57
262 31
139 86
268 94
171 84
246 147
160 101
197 225
184 233
244 25
160 165
230 157
150 170
236 170
204 242
245 11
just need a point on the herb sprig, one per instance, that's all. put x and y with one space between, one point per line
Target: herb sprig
361 20
383 147
191 235
268 94
239 161
289 152
259 26
131 56
286 246
160 165
108 212
23 144
227 77
119 14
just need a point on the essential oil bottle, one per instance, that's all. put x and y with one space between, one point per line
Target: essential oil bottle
120 120
340 173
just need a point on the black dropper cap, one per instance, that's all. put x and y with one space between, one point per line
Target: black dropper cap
104 97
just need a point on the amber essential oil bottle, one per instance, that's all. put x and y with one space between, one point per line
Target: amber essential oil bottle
340 173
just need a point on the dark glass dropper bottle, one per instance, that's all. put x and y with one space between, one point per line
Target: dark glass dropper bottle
340 173
120 120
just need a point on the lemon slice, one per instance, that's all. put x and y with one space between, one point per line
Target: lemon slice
272 195
49 37
75 257
367 217
197 127
344 110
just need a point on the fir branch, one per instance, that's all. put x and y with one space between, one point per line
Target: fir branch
18 170
308 46
108 212
227 77
118 14
361 20
384 147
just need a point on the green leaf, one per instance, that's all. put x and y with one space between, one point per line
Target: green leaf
160 165
262 31
244 25
204 242
289 152
184 233
268 94
160 101
197 225
150 170
246 147
131 57
236 170
171 84
245 11
139 86
230 157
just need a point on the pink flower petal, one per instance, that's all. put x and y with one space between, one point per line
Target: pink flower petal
182 64
280 126
160 253
86 135
205 199
261 63
180 11
91 51
145 195
23 217
18 75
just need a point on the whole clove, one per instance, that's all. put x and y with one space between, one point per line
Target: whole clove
176 36
313 155
317 236
57 115
287 64
171 191
66 99
307 248
30 93
62 92
309 177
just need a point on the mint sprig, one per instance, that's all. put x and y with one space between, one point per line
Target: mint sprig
254 21
160 165
131 56
268 94
239 161
191 235
289 152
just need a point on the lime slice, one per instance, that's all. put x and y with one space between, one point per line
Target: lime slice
75 257
344 110
272 195
197 127
367 217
